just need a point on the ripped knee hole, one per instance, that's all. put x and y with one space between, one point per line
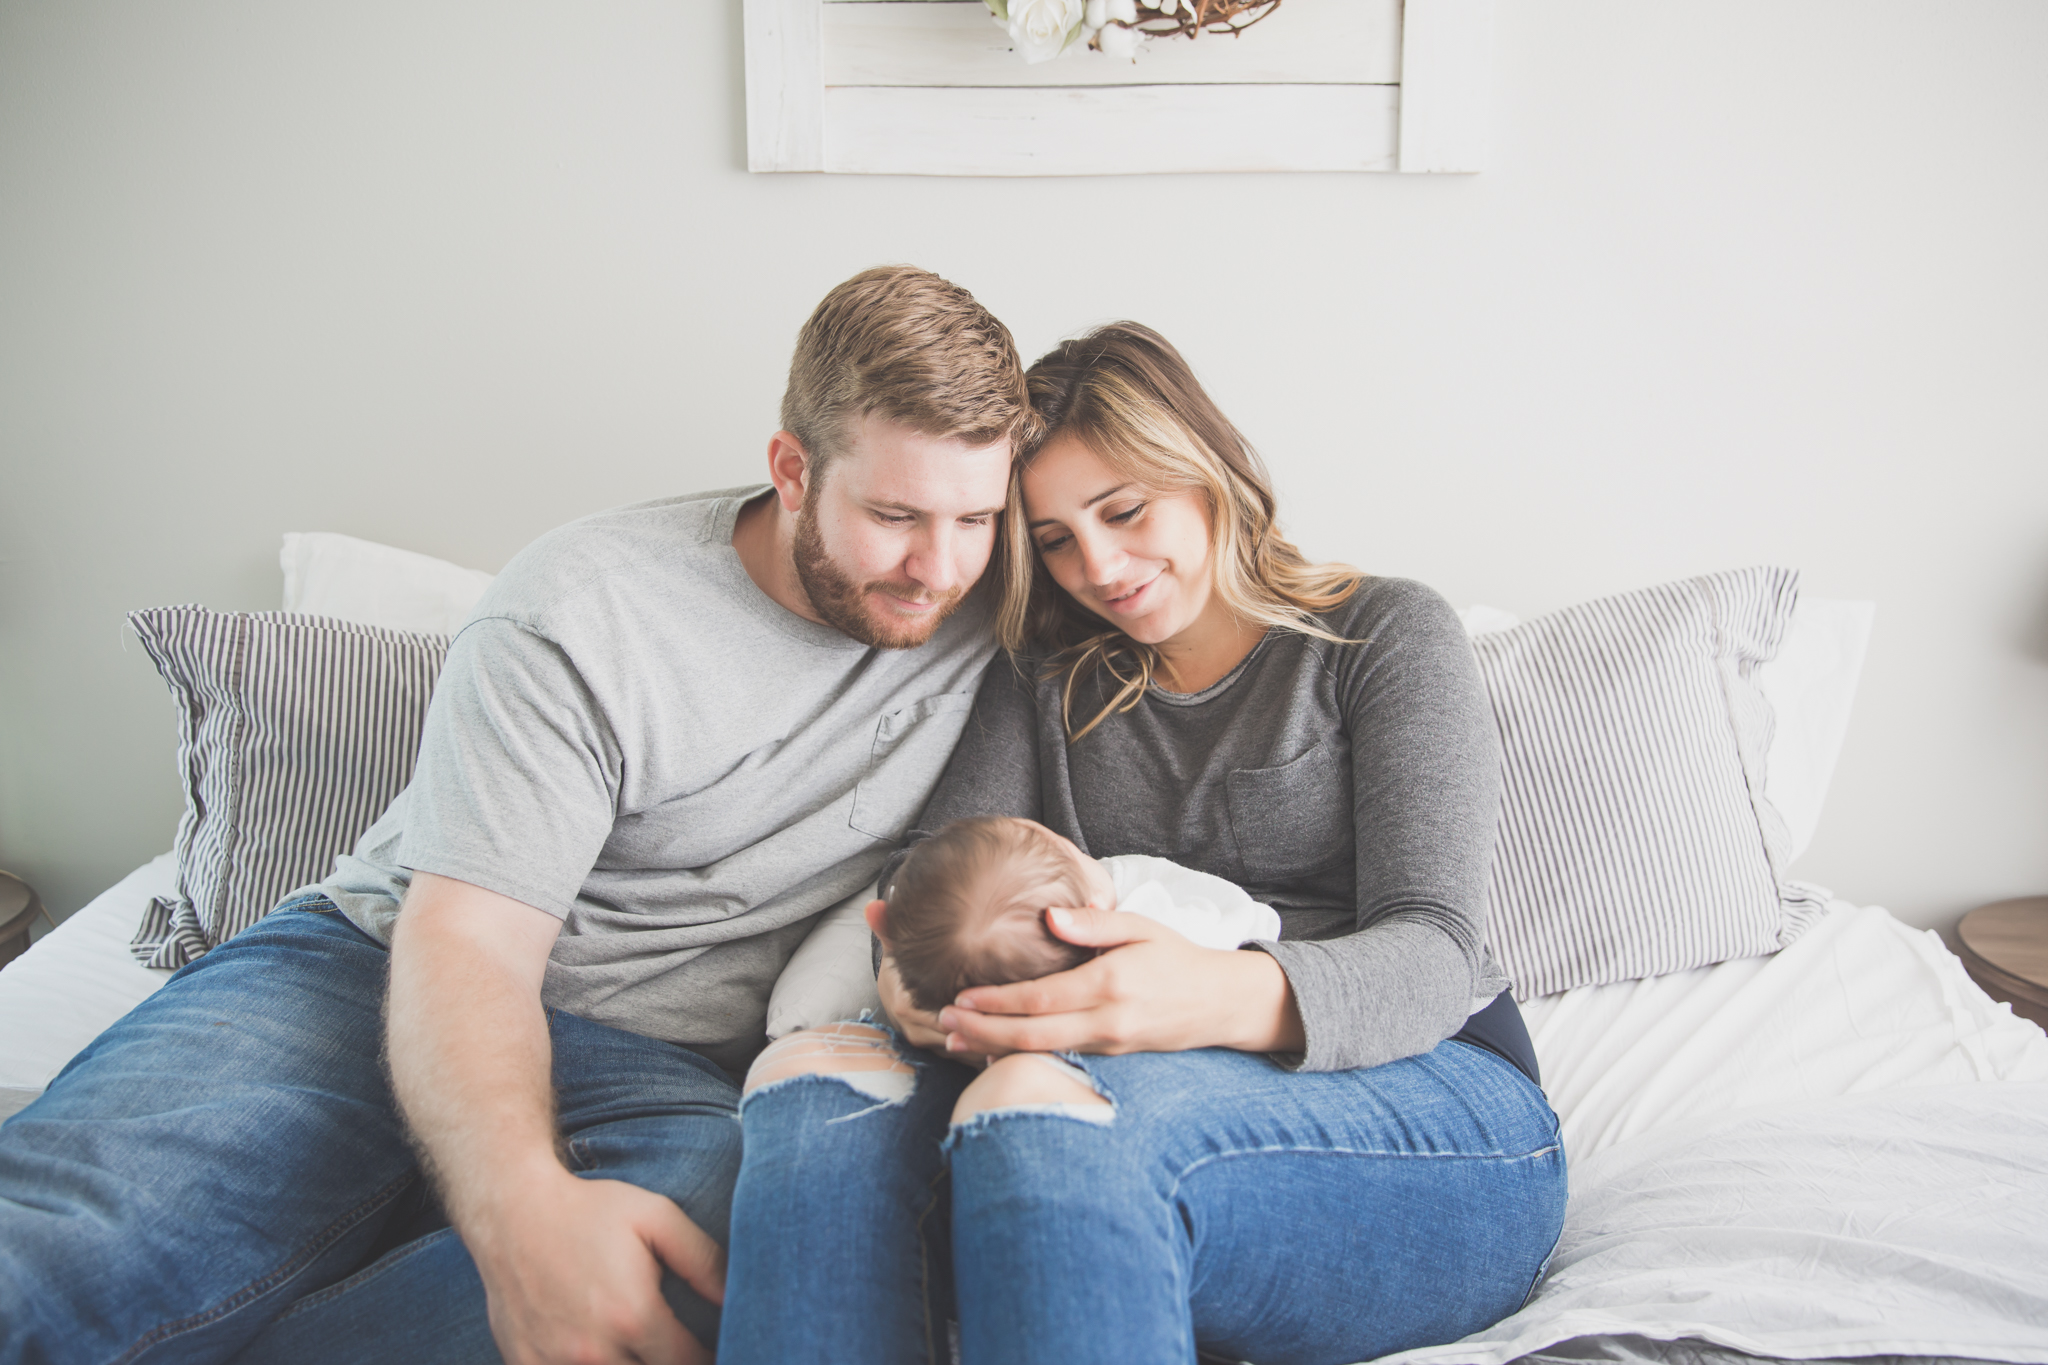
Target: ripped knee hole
1030 1080
845 1049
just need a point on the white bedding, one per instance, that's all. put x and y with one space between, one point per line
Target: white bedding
1840 1150
76 980
1859 1003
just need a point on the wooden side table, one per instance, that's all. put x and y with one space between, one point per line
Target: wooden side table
2005 947
18 910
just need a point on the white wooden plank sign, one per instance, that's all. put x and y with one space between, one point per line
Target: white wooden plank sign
931 87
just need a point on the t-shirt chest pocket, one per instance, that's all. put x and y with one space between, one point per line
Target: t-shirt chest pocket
910 751
1294 820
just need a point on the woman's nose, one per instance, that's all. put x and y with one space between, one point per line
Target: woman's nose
1102 561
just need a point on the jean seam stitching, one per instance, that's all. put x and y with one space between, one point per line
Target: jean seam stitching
924 1260
381 1264
255 1289
1506 1158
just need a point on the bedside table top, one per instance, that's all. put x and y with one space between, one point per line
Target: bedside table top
2009 941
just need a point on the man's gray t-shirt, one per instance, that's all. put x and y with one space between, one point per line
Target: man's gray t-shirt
630 735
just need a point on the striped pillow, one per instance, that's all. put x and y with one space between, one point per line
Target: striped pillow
294 733
1635 838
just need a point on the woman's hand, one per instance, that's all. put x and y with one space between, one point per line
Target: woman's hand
1151 990
920 1028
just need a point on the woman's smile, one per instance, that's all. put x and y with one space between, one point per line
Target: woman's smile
1126 599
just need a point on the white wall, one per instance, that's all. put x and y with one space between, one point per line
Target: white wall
1749 282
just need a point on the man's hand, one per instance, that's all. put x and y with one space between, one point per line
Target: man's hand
571 1267
572 1274
1151 990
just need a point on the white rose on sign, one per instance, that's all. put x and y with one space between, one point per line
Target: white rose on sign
1040 29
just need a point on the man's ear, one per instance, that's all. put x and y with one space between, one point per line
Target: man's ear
874 912
789 468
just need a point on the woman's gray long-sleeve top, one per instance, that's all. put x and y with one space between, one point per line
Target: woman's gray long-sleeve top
1353 787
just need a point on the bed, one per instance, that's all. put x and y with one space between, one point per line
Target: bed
1833 1149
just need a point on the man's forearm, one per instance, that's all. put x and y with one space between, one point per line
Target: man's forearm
571 1267
469 1045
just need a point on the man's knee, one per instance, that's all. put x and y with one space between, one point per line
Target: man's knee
861 1056
1031 1081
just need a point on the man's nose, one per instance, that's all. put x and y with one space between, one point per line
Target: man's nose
934 559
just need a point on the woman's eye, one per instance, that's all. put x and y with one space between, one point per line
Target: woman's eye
1119 518
1052 543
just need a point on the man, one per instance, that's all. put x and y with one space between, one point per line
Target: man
668 737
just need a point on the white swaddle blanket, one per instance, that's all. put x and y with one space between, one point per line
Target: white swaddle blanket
1204 909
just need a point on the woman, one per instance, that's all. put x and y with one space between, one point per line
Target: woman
1317 1150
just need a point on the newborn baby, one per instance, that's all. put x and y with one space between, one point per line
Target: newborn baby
968 905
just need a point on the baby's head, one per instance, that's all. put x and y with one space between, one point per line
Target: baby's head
968 907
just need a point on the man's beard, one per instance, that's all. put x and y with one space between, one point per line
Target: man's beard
844 605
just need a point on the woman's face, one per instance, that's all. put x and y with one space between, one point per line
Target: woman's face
1134 557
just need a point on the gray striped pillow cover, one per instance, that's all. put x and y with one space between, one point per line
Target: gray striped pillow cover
294 733
1635 838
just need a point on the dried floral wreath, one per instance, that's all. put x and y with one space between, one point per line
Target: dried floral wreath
1044 29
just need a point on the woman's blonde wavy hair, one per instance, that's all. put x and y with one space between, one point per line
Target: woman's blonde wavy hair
1125 393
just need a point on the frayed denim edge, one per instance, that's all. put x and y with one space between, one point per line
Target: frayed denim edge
1095 1115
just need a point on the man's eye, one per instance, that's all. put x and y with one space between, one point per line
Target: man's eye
895 518
976 521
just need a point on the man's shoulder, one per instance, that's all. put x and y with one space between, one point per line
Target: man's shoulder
665 548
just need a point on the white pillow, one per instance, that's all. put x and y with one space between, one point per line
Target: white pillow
1811 686
326 574
831 976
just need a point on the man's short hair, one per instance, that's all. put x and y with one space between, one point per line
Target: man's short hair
901 342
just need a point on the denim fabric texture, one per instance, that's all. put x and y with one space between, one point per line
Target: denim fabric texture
222 1174
1225 1206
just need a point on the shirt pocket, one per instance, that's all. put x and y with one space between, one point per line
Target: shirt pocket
911 747
1294 820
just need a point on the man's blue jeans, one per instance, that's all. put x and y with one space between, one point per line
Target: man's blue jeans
223 1171
1218 1204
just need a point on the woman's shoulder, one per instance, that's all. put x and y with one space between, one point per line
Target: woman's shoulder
1394 611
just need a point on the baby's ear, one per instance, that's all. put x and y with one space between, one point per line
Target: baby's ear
874 912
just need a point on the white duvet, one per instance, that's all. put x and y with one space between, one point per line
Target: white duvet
76 980
1840 1150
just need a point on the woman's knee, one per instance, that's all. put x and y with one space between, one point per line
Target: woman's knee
1034 1082
858 1055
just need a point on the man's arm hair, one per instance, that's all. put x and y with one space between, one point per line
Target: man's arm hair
468 1040
571 1267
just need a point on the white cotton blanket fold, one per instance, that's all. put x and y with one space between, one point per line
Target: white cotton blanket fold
1858 1004
1840 1150
1910 1222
